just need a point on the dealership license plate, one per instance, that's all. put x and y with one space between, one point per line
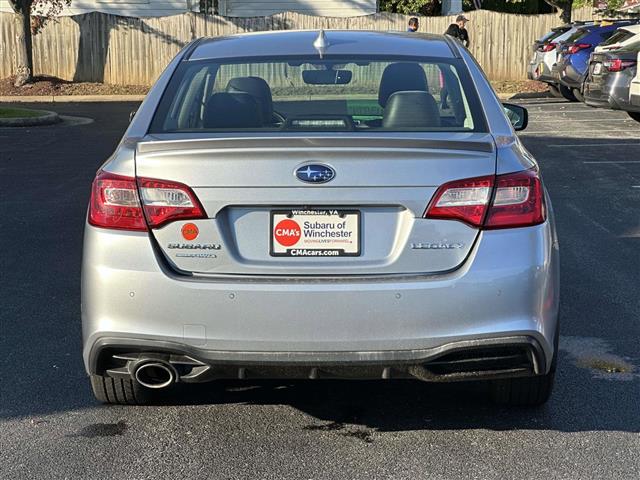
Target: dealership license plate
597 69
315 233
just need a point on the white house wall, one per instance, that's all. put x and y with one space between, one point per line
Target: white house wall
324 8
127 8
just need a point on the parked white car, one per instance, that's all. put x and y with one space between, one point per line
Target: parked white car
624 37
634 94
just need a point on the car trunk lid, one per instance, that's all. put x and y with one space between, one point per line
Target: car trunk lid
382 186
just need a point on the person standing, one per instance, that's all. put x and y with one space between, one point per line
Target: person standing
459 32
413 24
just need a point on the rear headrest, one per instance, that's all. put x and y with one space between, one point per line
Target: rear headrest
259 89
416 109
401 76
232 110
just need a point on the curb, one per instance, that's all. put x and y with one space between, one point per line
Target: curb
71 98
49 118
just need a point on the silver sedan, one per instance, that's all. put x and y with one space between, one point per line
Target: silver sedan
321 205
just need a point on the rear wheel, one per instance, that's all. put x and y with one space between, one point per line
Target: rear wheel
119 391
578 94
524 392
527 391
635 116
555 91
567 93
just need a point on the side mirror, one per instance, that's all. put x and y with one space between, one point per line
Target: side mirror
517 115
132 114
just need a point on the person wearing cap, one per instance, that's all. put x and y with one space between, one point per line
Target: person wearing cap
413 24
458 31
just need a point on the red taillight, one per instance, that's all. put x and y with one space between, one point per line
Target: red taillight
166 201
548 47
576 47
518 201
116 203
617 64
503 201
464 200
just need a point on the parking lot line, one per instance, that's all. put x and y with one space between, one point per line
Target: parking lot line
577 120
617 130
564 145
613 161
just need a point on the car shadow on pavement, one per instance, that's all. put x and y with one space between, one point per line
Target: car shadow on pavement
582 401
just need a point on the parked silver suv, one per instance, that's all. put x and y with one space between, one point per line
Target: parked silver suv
300 205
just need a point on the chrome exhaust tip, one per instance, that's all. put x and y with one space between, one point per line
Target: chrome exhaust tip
155 375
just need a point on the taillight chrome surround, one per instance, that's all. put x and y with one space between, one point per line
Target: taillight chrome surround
116 202
491 202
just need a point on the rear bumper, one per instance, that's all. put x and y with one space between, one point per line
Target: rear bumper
570 77
540 72
486 358
613 95
507 288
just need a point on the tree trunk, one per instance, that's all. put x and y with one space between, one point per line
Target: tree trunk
564 6
24 51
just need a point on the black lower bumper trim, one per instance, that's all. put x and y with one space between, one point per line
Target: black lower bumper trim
461 360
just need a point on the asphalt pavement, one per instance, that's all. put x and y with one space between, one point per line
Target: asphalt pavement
51 427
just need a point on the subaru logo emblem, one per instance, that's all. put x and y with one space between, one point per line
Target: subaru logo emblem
315 173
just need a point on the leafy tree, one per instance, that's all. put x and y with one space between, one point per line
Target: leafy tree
27 27
411 7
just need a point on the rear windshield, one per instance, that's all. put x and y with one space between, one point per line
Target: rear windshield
566 35
618 37
553 34
577 35
314 94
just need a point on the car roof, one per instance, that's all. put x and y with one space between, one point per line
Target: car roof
606 25
340 42
631 28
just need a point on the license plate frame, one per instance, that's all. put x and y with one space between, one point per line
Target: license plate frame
310 246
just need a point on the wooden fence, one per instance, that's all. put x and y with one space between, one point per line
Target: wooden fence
121 50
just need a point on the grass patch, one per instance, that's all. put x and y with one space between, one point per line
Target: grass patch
20 113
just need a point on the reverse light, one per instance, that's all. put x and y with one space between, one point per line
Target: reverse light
503 201
116 204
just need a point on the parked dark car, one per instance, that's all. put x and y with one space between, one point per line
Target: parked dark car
570 69
545 54
609 80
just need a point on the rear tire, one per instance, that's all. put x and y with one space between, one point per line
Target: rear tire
527 391
578 94
523 392
634 115
555 91
119 391
567 93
